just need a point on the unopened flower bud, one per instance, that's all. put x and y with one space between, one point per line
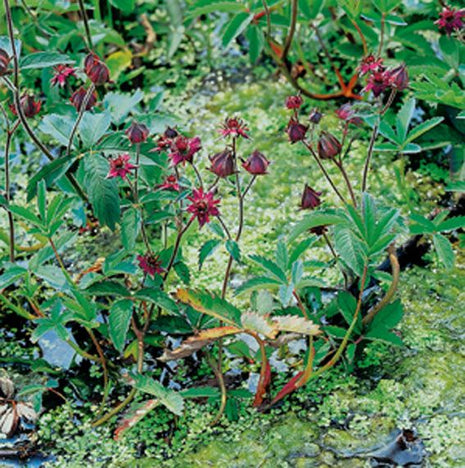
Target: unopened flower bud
399 78
310 198
296 131
29 106
4 62
256 163
294 102
328 146
315 116
77 99
222 164
137 133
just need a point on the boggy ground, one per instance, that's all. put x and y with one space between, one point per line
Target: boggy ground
341 419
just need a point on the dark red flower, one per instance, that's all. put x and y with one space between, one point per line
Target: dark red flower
120 166
166 140
399 78
170 183
183 149
29 106
203 206
90 60
369 64
150 264
4 62
61 75
296 131
222 164
234 127
77 99
346 112
96 69
256 163
137 133
294 102
378 82
328 146
451 20
315 116
310 198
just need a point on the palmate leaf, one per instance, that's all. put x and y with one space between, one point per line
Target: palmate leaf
351 249
271 267
210 304
444 250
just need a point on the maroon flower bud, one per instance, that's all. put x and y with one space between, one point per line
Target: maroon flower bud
29 106
319 230
294 102
90 60
77 99
98 73
256 163
296 131
222 163
137 133
315 116
171 132
310 198
328 146
399 78
4 62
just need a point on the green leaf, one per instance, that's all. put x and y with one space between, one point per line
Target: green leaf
351 249
233 249
424 127
118 322
297 271
58 127
388 317
130 227
256 283
285 294
385 336
204 7
270 266
120 104
404 116
310 9
26 214
50 172
207 249
107 288
42 199
43 60
282 256
425 226
444 250
256 42
210 304
347 305
451 224
183 272
300 248
103 192
52 275
11 274
314 219
338 332
169 398
124 5
158 297
93 127
235 27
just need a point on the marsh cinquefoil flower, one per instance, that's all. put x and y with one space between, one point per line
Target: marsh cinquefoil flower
120 166
203 206
451 19
170 183
183 149
234 127
61 73
296 131
294 102
150 264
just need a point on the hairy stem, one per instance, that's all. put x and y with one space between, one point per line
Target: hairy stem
85 20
